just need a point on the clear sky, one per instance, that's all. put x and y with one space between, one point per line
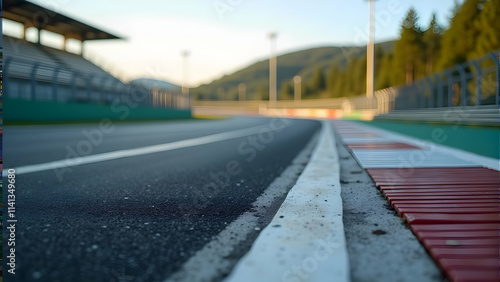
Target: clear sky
226 35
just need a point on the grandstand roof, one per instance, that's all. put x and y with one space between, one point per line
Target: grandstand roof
33 15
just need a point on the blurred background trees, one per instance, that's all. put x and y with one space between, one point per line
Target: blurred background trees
421 49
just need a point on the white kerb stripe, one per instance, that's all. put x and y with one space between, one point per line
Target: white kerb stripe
137 151
305 240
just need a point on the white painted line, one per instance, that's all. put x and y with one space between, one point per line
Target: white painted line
305 240
461 154
137 151
405 158
211 262
357 140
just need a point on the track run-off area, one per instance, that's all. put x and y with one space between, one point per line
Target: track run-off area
236 199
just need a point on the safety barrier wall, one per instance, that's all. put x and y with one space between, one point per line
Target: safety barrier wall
40 111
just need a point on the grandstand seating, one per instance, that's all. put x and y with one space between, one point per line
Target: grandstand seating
32 71
71 61
76 78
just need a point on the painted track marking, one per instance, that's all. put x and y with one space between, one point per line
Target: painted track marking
305 240
137 151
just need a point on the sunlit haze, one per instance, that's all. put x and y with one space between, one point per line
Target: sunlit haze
224 36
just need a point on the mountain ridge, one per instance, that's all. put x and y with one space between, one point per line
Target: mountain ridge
302 62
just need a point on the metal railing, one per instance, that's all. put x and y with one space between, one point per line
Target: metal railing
33 80
473 83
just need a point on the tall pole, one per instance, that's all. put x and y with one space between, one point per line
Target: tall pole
297 87
242 89
185 89
185 55
272 70
370 55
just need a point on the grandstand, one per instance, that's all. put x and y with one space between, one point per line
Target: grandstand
40 72
36 72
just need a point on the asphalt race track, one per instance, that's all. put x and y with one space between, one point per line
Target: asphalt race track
138 218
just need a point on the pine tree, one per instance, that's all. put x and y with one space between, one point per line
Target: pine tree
332 80
305 91
359 77
379 55
488 24
432 41
337 88
409 49
286 91
263 93
348 80
318 83
384 72
459 41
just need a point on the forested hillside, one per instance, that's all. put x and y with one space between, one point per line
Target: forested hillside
474 30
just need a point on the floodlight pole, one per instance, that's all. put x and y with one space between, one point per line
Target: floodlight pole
185 55
272 70
242 89
185 89
370 55
297 81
